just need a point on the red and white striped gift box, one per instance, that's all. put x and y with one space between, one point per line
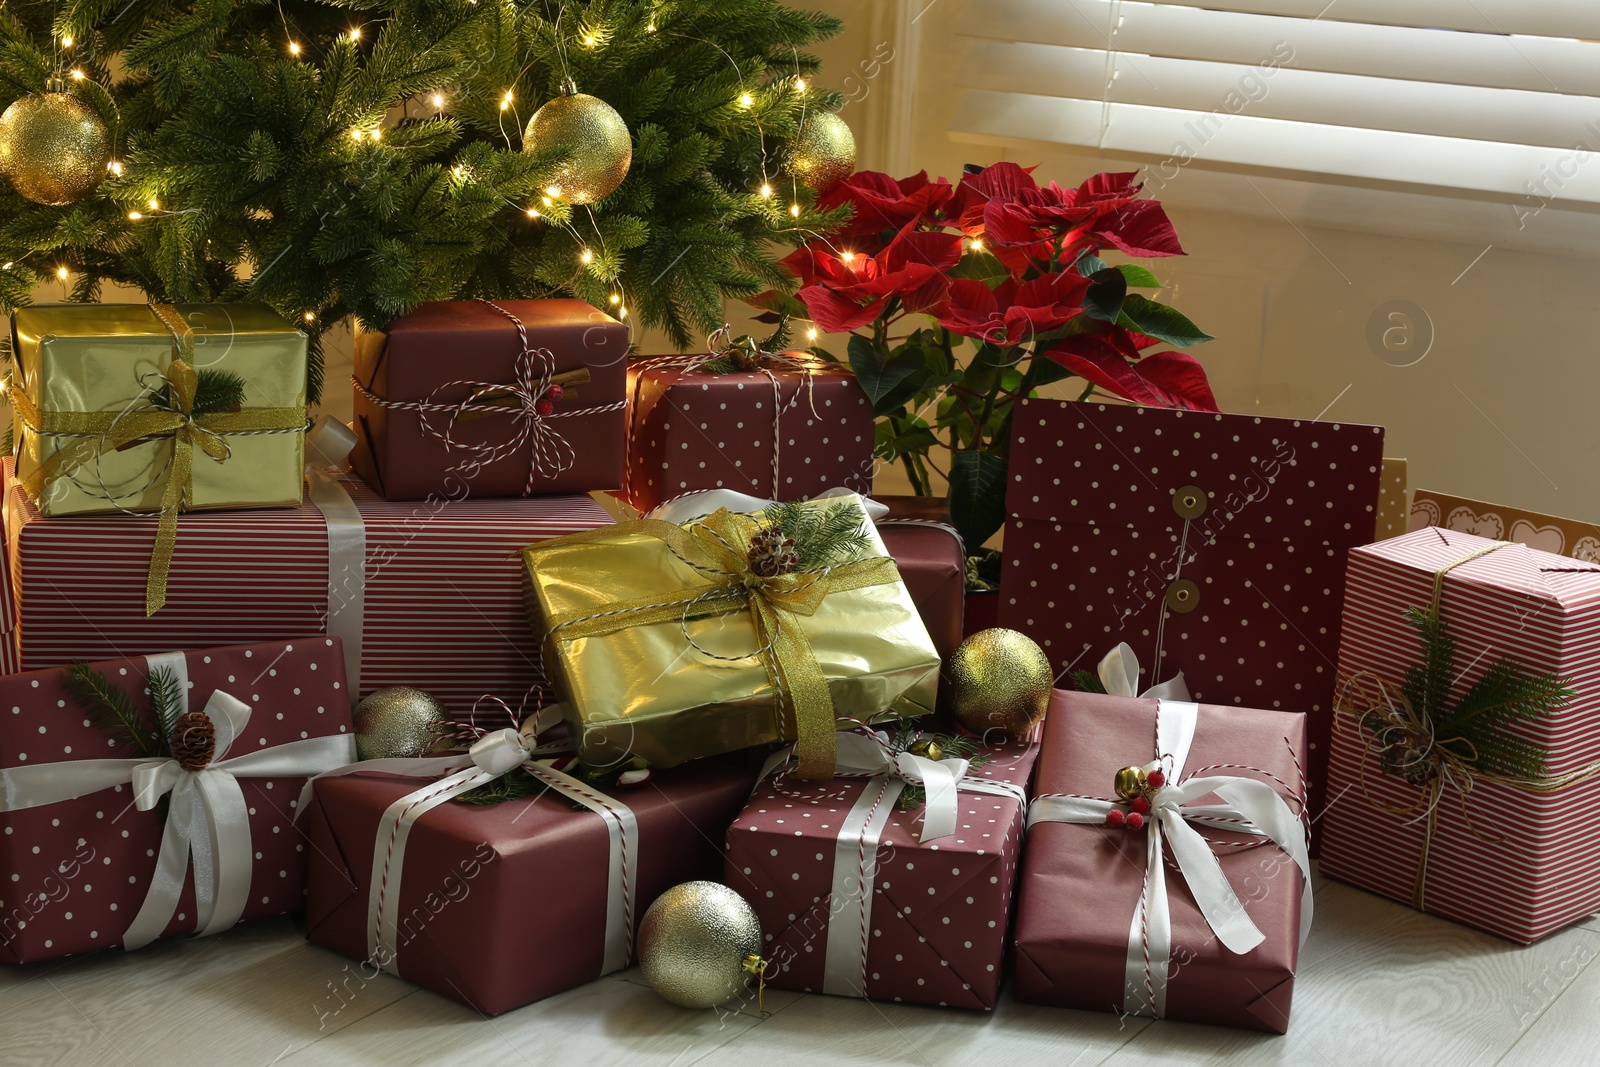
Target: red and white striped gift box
444 603
1509 860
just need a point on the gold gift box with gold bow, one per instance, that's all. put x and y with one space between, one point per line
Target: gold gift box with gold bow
671 642
87 376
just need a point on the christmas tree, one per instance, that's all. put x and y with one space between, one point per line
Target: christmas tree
360 157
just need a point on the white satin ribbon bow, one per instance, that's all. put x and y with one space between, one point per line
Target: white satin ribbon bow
207 818
328 445
1250 806
699 504
1119 673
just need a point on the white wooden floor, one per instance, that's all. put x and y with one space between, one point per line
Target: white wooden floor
1379 984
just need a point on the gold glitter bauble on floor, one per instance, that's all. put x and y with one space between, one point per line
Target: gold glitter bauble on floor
694 944
53 147
397 722
595 138
999 680
823 153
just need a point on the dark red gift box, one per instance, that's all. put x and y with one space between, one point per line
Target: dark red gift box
75 873
504 904
779 434
1081 884
1212 544
450 394
932 562
936 919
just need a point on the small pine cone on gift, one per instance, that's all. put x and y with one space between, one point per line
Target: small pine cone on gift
194 740
772 552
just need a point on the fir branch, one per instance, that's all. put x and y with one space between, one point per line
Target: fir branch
513 786
1427 684
110 710
1087 682
825 533
167 699
215 391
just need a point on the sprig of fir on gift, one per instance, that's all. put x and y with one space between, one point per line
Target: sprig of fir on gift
745 351
215 391
800 536
1471 732
907 738
144 730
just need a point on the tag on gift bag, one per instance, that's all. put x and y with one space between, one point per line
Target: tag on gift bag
1212 544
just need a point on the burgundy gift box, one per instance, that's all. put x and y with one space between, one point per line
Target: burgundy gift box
75 873
428 413
935 921
443 598
504 904
932 562
1081 884
779 435
1212 544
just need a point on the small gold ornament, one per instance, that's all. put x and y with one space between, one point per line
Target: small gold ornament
927 748
398 722
53 147
1130 782
999 680
699 944
594 138
823 153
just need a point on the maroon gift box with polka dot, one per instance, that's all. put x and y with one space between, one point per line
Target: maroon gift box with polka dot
1212 544
692 431
940 909
74 874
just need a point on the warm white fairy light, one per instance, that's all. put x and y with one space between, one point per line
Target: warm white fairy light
311 316
62 273
622 313
746 100
77 75
438 100
551 190
766 192
134 216
811 334
7 265
115 167
615 299
794 209
505 101
588 40
155 205
458 170
586 257
799 85
355 34
294 48
976 245
356 134
533 213
546 200
650 28
66 42
847 256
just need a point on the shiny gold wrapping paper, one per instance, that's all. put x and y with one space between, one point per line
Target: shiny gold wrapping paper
89 358
647 691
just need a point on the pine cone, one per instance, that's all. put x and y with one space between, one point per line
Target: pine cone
772 552
194 740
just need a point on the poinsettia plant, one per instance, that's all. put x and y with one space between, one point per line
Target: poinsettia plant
962 298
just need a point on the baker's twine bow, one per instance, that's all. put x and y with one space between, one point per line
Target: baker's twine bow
98 433
529 398
717 547
1402 738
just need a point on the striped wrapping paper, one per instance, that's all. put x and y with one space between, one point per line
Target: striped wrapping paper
1513 862
445 609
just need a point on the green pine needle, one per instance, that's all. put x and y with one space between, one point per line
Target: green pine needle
1087 682
825 533
215 391
110 710
167 699
955 746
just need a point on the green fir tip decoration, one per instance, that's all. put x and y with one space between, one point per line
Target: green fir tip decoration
824 533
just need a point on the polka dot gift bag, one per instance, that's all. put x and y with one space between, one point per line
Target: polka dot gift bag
155 797
1213 545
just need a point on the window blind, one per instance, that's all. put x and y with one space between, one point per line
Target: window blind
1489 99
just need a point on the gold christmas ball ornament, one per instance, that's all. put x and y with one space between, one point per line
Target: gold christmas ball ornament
927 748
1130 782
823 153
699 944
54 148
594 138
398 722
999 680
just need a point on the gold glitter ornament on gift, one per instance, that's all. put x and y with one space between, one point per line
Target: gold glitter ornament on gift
595 139
699 944
999 680
823 153
54 148
398 722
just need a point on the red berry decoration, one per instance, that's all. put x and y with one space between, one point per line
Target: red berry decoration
1155 779
544 406
1135 821
1140 805
1114 817
555 392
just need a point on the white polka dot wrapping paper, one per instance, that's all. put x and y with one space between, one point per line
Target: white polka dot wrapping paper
1212 544
75 874
939 910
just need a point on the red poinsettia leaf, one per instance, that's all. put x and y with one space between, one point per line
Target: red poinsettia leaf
1004 179
1140 228
921 288
1095 361
808 262
837 313
1181 377
1007 223
932 248
1109 185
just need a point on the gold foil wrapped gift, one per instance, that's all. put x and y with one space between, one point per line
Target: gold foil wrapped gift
106 417
668 644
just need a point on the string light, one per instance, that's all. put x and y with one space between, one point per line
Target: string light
438 100
355 34
976 245
62 273
114 167
376 135
77 75
546 200
622 313
766 192
134 216
551 190
794 209
505 101
311 316
811 334
458 170
586 257
799 85
588 40
294 49
8 265
533 213
154 205
356 134
615 299
847 256
650 28
746 100
66 42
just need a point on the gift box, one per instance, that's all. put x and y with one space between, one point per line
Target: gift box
932 561
472 906
101 392
1498 522
100 820
1181 916
1213 544
492 398
932 927
1429 812
429 595
786 430
1394 500
669 642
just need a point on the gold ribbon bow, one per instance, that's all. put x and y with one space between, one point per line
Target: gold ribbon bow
1403 739
718 546
100 432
